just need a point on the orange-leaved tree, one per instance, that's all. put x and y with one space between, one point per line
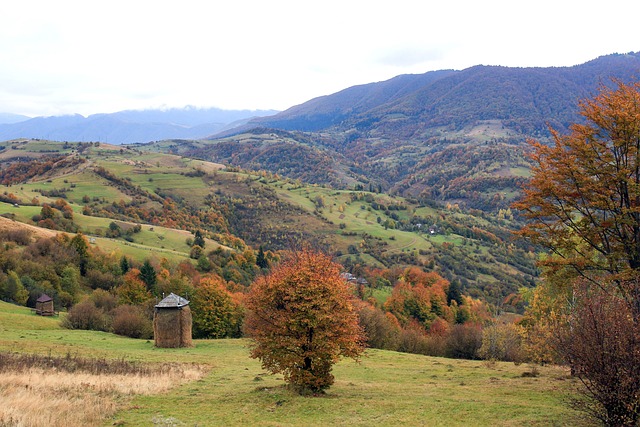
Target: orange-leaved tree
301 319
583 204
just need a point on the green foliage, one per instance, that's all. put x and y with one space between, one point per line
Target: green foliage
261 259
198 240
148 274
70 280
215 314
13 290
124 265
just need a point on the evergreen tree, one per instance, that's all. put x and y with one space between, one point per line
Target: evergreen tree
453 293
148 274
198 240
261 259
124 265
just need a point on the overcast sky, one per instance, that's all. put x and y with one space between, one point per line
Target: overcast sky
94 56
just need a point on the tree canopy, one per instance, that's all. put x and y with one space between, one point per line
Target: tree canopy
302 320
583 203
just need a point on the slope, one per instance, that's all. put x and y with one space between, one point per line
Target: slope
167 193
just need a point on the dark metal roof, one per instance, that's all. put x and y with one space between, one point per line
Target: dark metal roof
44 298
172 301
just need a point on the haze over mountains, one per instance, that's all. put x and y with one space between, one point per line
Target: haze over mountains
126 127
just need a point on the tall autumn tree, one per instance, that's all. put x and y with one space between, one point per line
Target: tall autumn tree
302 320
215 314
583 204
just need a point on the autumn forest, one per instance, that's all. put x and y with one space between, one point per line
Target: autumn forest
307 239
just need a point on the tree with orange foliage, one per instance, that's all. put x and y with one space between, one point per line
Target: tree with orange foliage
302 320
583 203
421 296
133 291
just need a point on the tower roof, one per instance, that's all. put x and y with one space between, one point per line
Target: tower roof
44 298
172 301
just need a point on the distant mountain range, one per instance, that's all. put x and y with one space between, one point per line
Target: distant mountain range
126 127
444 104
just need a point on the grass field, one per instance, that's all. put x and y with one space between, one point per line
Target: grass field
384 388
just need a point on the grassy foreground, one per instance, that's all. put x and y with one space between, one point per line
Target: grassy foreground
385 388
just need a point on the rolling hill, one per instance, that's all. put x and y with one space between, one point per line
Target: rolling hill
171 195
452 136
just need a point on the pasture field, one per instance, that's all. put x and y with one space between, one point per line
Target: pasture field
385 388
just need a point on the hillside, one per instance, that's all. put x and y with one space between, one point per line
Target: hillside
450 136
524 99
171 196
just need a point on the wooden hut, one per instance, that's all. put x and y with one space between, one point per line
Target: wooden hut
172 322
44 305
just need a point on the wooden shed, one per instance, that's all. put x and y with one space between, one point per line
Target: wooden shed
172 322
44 305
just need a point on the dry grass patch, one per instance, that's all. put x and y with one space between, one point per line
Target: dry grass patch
72 391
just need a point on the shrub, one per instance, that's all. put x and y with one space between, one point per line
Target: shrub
104 300
380 330
130 321
20 236
414 340
196 252
464 341
96 279
501 342
86 315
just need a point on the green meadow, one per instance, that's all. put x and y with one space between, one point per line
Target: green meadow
383 388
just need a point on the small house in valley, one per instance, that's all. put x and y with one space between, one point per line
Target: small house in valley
172 322
44 306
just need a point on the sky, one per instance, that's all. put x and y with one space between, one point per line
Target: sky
96 56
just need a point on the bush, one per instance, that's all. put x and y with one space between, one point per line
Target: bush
130 321
501 342
196 252
464 341
20 236
380 330
96 279
86 315
414 340
104 300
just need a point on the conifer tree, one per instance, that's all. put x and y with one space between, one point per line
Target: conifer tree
261 259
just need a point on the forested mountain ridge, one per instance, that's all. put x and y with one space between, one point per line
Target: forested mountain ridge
525 99
452 136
